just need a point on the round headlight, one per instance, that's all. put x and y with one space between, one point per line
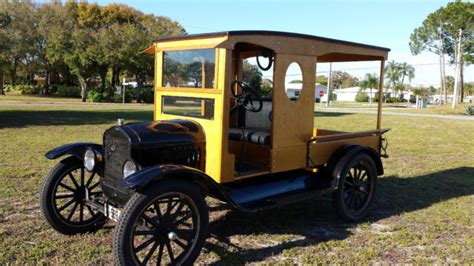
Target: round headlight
129 168
89 160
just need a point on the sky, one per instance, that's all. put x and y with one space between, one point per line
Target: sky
386 23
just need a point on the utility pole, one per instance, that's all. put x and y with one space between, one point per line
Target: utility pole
458 70
329 85
442 90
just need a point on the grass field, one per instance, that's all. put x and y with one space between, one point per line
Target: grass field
423 212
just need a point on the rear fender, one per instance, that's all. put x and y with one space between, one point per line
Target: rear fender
74 149
346 153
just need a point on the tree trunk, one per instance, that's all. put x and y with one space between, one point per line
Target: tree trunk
370 96
83 84
139 87
1 83
112 80
115 77
46 83
462 81
13 76
442 84
445 90
103 75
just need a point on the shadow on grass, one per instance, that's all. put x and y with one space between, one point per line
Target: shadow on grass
24 118
330 114
315 221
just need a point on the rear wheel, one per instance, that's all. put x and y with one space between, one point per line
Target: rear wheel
165 224
63 194
356 186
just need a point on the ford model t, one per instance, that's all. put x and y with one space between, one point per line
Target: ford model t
215 135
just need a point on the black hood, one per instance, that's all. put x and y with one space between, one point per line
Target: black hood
164 133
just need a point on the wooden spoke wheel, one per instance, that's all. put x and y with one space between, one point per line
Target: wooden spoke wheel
167 224
63 196
356 187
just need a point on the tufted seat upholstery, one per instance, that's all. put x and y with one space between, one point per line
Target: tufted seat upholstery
257 126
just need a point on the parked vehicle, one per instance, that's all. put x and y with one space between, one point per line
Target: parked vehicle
214 136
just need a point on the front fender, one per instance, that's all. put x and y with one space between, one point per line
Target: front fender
141 179
75 149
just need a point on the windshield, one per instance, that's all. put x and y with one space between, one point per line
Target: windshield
189 69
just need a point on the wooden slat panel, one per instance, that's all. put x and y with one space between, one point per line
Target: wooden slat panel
320 153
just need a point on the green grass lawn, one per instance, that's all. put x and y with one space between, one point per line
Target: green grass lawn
423 212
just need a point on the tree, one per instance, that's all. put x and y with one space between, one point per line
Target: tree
321 79
438 32
16 37
78 42
406 70
81 58
252 75
341 79
392 73
370 82
4 22
53 30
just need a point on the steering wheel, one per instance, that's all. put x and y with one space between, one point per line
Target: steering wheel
247 97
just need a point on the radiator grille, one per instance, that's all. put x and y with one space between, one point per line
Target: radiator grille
116 152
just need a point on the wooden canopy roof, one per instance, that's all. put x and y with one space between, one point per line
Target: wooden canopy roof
325 49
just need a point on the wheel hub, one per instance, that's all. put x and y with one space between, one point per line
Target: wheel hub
80 194
172 235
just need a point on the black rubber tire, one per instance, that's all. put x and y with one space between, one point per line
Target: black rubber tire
342 169
47 202
139 202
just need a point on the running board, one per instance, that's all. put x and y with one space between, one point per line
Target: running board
276 190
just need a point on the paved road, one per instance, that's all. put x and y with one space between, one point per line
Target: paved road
352 110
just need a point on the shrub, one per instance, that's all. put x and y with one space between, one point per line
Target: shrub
393 100
469 110
148 94
24 89
129 95
362 97
69 91
7 88
95 96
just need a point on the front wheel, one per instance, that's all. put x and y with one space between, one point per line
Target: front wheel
165 224
356 186
63 198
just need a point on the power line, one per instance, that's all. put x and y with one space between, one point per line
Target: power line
353 69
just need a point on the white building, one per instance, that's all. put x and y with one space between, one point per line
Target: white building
293 90
349 94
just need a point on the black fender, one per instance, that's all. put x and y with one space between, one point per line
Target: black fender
346 153
147 176
76 149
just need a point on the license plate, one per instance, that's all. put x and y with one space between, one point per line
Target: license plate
111 212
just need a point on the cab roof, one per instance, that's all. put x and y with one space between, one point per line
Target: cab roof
326 49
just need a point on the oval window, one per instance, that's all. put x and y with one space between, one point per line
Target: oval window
293 81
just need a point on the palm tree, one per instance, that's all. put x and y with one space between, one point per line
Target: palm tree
393 73
370 82
407 70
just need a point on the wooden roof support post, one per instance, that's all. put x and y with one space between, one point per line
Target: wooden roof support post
381 96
